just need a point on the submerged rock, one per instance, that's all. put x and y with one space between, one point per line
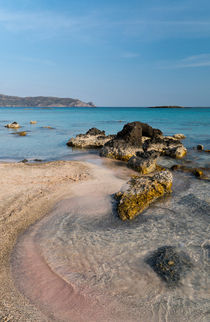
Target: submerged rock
13 125
92 139
144 162
22 133
143 191
170 264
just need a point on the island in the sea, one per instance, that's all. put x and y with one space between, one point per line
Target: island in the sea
165 106
41 101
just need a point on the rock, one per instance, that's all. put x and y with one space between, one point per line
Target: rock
23 161
37 160
179 136
195 171
33 122
22 133
133 132
95 131
200 147
165 145
118 150
143 191
93 139
207 151
128 141
48 127
198 173
13 125
170 264
144 162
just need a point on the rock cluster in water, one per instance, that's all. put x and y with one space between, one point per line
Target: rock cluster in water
13 125
170 264
140 145
92 139
136 140
141 192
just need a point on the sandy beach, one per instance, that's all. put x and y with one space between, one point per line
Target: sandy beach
28 192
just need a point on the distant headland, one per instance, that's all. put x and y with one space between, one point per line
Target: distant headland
169 106
41 101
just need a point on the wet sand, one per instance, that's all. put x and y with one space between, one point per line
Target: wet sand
27 193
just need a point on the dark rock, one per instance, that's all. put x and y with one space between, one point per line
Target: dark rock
169 264
200 147
37 160
95 131
23 161
131 133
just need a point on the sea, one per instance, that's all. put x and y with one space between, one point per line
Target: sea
81 262
50 144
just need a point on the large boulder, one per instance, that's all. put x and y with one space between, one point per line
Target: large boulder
144 162
13 125
92 139
141 192
128 141
165 145
169 264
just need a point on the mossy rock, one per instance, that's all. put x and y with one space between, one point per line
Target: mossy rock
143 191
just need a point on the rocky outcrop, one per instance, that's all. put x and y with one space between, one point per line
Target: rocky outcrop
13 125
129 141
33 122
170 264
144 162
165 145
143 191
92 139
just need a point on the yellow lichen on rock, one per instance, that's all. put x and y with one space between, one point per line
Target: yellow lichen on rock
142 192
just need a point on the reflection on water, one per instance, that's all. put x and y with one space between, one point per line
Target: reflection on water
98 261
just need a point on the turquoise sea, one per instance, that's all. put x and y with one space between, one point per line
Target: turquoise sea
50 144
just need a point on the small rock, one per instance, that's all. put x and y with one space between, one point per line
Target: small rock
13 125
170 264
22 133
23 161
198 173
33 122
200 147
179 136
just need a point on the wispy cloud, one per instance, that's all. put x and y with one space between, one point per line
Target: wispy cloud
202 60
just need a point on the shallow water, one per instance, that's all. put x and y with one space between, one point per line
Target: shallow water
82 263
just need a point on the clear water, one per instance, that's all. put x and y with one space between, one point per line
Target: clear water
49 144
83 259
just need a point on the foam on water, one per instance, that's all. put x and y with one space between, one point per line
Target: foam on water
82 263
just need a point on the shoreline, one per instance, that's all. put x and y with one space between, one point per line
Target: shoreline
28 192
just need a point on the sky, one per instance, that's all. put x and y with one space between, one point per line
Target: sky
113 52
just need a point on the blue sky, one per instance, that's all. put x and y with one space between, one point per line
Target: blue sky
113 52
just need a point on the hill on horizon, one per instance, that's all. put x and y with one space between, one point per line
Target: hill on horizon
41 101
